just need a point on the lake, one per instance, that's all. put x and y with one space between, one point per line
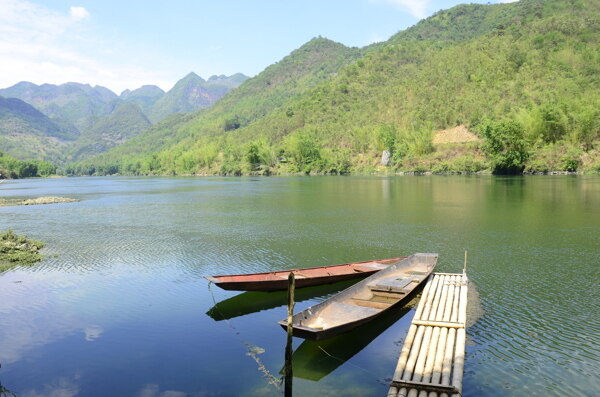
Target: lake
119 305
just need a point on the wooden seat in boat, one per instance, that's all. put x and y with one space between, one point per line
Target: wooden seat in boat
390 284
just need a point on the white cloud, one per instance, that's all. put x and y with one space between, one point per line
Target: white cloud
417 8
92 332
60 387
79 13
41 45
153 390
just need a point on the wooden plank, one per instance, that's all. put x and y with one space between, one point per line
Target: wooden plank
424 385
446 324
371 303
389 294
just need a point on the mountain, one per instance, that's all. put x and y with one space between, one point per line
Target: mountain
27 133
522 78
72 103
125 122
192 93
228 81
145 97
305 68
95 118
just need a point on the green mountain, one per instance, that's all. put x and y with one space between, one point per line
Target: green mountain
125 122
193 93
73 103
523 78
81 121
27 133
307 67
145 97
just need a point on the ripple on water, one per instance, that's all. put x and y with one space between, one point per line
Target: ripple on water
123 275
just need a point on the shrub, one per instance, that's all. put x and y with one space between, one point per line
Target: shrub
505 145
18 250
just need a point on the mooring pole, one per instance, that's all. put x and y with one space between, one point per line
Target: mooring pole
465 268
288 348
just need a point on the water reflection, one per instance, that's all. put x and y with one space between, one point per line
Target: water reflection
252 301
119 293
313 360
4 392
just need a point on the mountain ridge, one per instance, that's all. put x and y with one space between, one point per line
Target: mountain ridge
84 110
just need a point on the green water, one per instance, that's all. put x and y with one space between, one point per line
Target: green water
120 307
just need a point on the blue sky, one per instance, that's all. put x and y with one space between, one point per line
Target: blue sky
127 43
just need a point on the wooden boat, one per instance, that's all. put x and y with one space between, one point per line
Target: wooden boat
356 305
274 281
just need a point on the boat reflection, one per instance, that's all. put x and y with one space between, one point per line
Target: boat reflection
253 301
314 360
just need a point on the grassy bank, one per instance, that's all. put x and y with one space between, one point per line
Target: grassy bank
17 250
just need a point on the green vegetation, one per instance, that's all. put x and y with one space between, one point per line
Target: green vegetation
125 122
12 168
18 250
192 93
506 146
523 76
72 121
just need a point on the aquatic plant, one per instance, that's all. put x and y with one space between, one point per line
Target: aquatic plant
17 249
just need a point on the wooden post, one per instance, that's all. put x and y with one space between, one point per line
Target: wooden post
465 268
288 348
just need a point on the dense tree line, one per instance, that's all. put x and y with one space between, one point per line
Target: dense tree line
12 168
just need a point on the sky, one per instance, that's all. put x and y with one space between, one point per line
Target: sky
122 44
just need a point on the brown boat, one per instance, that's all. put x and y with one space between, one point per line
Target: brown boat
274 281
356 305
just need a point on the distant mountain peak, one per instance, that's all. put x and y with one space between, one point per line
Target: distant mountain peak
192 76
146 90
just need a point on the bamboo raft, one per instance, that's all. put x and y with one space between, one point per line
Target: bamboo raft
432 359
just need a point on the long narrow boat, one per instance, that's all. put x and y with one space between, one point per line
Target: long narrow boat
356 305
274 281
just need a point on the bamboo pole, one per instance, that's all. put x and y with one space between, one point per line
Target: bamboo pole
425 348
408 342
431 353
437 342
290 328
459 354
414 353
451 337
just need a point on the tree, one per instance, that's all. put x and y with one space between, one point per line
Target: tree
506 146
232 123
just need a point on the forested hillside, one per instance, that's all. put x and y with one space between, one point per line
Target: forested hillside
524 77
28 133
305 68
192 93
74 121
11 167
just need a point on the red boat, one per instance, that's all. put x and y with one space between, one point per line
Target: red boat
274 281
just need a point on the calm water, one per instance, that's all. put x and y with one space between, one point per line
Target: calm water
120 307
